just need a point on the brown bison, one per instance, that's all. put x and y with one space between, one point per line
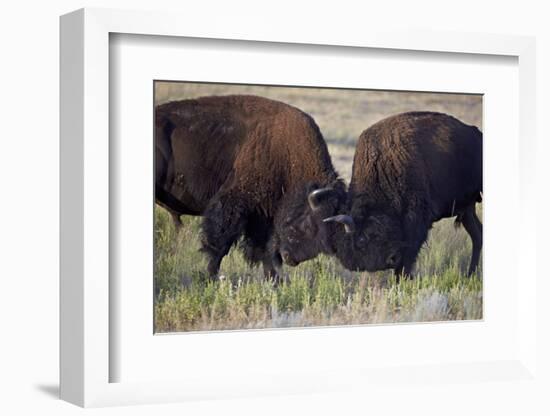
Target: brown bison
409 171
240 162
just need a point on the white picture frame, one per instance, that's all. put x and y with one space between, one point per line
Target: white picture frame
86 356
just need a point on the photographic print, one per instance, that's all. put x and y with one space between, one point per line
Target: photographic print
279 207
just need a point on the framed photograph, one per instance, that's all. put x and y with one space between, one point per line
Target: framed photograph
279 214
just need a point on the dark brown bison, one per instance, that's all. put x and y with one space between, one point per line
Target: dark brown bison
240 162
409 171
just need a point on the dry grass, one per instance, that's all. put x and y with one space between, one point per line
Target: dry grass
318 292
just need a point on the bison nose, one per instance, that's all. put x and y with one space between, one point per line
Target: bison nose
287 258
285 255
393 260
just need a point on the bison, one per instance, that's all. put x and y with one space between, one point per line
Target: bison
242 162
409 171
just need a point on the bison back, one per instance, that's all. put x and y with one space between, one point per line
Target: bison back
424 158
254 146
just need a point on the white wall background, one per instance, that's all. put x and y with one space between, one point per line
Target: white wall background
29 203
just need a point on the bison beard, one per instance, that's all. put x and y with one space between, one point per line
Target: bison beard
409 171
239 161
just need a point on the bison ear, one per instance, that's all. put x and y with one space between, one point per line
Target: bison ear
317 197
346 220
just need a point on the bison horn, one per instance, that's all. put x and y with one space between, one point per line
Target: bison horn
346 220
319 195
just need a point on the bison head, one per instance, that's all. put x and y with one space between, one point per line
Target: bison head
300 231
371 243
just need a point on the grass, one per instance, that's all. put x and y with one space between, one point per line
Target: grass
320 291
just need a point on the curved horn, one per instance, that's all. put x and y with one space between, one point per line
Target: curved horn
319 195
346 220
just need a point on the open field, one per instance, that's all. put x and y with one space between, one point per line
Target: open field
320 291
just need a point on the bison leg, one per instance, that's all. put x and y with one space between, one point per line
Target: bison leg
173 206
404 270
257 246
175 217
223 223
417 238
176 220
474 228
271 264
273 267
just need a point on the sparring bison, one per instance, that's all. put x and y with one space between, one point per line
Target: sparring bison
409 171
240 162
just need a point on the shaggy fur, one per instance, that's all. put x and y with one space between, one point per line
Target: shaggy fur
409 171
301 233
237 160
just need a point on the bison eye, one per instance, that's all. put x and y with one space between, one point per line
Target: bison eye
292 240
362 241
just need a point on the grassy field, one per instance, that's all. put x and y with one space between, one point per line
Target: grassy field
320 291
